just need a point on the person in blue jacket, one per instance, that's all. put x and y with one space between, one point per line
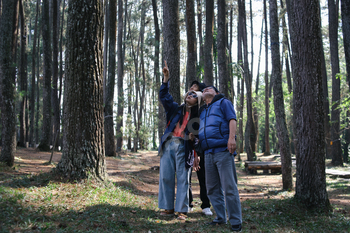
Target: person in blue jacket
217 133
176 150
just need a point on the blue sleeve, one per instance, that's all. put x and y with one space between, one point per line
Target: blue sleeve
228 110
167 100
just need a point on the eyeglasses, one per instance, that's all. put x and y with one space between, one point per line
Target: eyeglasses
194 95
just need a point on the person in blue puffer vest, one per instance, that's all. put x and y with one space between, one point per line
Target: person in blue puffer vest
176 150
217 139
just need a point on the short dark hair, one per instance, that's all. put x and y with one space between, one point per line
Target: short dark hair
200 85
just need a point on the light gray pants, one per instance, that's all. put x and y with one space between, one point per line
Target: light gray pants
221 181
172 163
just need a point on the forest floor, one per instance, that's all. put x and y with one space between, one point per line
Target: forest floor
139 172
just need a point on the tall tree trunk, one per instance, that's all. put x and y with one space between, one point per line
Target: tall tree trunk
267 101
240 87
230 67
23 77
120 109
208 43
171 34
282 131
8 36
221 44
105 49
109 95
156 68
200 38
47 54
249 134
345 14
337 159
308 105
83 152
32 92
37 107
191 69
54 93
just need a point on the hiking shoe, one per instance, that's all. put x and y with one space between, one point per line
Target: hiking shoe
207 211
236 228
167 212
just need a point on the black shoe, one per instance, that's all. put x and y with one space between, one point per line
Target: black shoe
236 228
215 223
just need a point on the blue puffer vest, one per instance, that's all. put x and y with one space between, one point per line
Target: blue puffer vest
214 129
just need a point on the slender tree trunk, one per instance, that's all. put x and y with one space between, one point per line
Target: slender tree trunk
8 36
157 69
305 27
345 14
208 44
221 44
37 110
267 101
120 109
109 91
240 87
249 135
105 49
282 131
200 37
54 92
47 54
337 159
23 77
32 92
191 69
83 152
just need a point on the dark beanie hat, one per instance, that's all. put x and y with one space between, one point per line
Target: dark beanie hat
216 90
200 85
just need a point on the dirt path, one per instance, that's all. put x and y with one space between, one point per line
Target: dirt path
140 170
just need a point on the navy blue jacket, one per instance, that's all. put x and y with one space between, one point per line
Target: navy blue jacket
214 125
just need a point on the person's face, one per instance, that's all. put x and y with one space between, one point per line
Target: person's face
194 87
191 99
208 92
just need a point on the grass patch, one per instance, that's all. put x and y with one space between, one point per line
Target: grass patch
41 203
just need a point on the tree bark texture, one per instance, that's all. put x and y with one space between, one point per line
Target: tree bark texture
208 43
282 131
171 34
221 43
46 132
337 159
32 92
109 95
249 134
83 152
200 39
267 101
54 91
23 80
191 70
120 108
308 103
8 36
345 15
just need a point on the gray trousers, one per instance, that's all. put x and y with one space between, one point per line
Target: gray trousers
221 181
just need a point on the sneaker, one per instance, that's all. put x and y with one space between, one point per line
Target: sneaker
190 209
207 211
236 228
